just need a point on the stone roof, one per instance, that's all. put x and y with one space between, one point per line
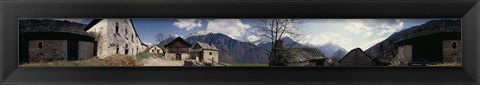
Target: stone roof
206 46
303 55
357 52
49 25
178 39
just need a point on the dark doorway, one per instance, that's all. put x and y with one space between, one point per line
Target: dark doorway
178 56
24 53
200 56
425 51
95 45
72 50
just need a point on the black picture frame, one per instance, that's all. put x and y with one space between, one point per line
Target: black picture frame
467 10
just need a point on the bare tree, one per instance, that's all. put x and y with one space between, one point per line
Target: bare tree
274 31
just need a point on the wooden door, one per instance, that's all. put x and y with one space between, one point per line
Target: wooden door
178 56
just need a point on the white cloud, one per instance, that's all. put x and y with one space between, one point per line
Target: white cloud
368 34
356 26
329 37
187 24
388 28
367 27
252 38
148 43
231 27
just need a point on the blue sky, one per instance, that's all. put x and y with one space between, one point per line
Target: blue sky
347 33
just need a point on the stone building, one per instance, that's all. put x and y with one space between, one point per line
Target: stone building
205 53
431 49
452 51
115 36
155 50
50 40
144 47
296 56
356 57
404 56
178 49
304 57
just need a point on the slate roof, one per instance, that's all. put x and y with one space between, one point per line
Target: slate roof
49 25
206 46
178 39
303 55
356 50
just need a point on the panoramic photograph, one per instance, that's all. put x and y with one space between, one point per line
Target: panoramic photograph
249 42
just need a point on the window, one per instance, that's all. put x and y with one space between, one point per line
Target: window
126 48
210 53
117 49
454 45
126 32
40 44
116 27
132 38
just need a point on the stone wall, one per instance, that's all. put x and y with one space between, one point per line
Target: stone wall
155 50
207 58
452 51
116 36
172 56
403 57
143 48
48 51
85 50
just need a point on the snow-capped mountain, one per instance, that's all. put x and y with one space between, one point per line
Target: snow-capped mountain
329 49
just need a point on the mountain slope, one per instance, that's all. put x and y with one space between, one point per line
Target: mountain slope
330 49
388 47
232 50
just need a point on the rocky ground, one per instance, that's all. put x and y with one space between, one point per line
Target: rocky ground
155 61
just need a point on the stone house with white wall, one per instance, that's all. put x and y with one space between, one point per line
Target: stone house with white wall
155 50
206 53
115 36
144 47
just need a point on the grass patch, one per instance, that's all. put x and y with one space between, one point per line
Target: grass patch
142 56
449 64
114 60
243 64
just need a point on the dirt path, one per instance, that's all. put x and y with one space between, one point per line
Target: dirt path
155 61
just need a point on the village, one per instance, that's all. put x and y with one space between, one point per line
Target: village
115 42
110 37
